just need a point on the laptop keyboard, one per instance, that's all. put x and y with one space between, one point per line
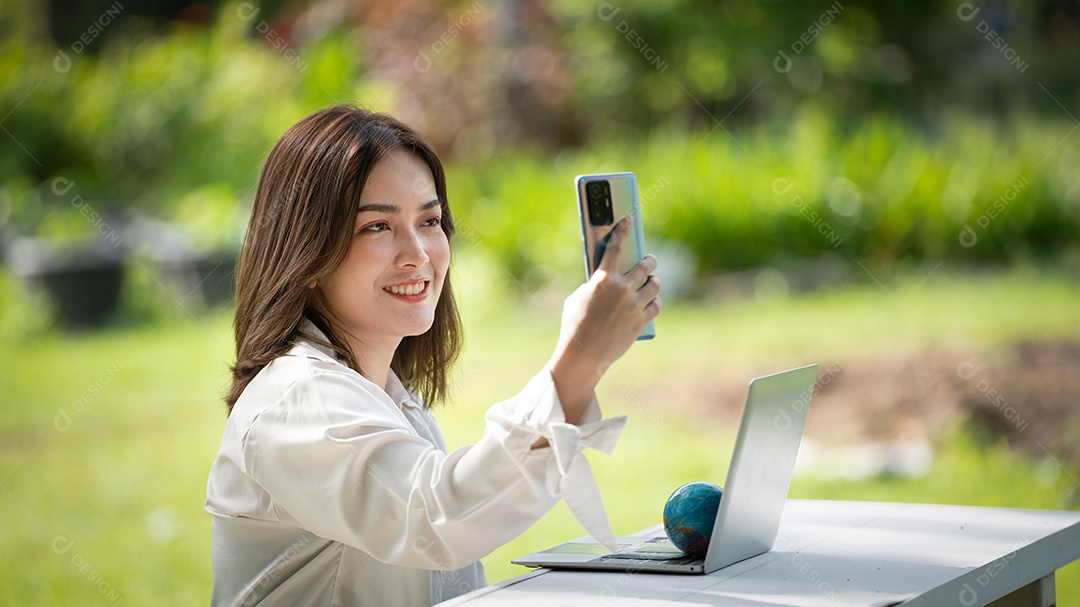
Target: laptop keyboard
651 550
631 562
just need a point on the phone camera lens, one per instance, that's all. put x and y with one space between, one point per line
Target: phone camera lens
598 194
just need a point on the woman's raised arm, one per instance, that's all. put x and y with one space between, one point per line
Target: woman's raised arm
600 321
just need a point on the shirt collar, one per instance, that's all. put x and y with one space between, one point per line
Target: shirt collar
312 335
399 393
394 388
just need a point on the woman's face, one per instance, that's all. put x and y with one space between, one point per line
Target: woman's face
390 281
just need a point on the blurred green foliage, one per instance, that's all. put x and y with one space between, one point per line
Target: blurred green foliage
147 122
877 189
880 155
671 62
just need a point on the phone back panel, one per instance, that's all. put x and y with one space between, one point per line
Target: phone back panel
624 201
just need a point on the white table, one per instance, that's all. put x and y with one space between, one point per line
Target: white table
832 553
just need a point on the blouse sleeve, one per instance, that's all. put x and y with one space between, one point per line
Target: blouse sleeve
345 465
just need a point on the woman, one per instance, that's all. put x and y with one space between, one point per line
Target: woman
333 485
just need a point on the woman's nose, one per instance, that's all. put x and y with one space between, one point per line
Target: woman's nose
412 251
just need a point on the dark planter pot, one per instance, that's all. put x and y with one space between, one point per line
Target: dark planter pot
196 280
82 279
217 278
84 296
202 282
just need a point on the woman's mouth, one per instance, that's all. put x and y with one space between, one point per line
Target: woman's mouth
410 291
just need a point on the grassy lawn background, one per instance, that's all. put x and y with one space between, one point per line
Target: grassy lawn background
124 480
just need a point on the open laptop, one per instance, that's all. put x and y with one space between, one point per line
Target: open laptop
754 494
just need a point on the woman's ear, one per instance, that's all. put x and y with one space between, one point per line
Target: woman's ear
313 284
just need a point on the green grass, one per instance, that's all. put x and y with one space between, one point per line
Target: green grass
126 481
663 448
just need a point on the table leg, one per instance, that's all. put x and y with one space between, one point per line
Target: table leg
1040 593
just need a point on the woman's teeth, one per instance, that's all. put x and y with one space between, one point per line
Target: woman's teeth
413 289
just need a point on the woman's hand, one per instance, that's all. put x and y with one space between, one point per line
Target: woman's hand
600 321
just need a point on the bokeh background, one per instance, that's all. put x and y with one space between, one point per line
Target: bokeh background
888 189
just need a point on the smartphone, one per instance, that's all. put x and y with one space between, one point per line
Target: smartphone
603 200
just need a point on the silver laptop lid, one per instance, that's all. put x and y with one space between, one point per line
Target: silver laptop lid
760 473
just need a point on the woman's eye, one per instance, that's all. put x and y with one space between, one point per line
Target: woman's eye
433 221
380 226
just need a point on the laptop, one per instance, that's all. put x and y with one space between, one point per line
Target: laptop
754 494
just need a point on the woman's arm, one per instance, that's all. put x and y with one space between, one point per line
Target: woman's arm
601 320
336 458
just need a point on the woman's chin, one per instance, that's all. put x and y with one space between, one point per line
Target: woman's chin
418 328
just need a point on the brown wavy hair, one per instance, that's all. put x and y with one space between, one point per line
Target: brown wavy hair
300 229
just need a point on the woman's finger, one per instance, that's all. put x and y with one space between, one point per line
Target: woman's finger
652 310
650 289
613 248
641 271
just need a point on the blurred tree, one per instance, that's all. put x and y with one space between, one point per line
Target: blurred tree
156 108
71 21
475 74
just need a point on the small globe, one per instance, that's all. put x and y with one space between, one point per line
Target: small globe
689 516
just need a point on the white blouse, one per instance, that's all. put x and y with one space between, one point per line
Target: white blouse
329 490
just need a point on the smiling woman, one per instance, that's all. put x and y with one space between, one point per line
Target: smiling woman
333 484
392 277
317 175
